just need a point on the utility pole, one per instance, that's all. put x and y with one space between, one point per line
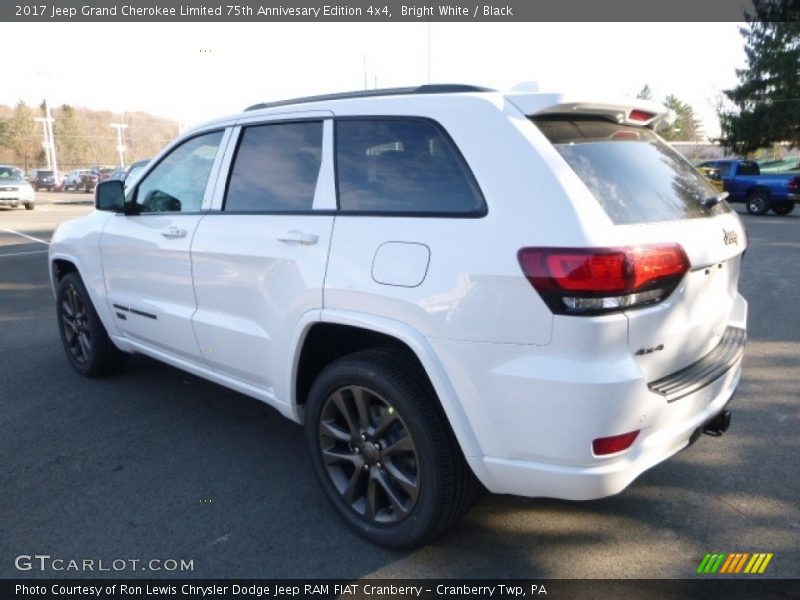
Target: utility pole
46 142
49 141
120 142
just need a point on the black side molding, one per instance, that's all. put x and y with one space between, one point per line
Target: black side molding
706 370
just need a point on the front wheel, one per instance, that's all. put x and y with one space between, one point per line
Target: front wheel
89 349
758 203
29 206
784 208
383 451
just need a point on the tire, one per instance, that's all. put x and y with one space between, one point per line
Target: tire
29 206
407 452
783 208
758 203
86 343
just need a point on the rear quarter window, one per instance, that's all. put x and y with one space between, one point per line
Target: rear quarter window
402 166
634 175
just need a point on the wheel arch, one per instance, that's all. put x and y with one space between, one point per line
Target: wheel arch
62 263
338 333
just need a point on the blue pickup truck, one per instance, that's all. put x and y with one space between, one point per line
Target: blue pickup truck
744 183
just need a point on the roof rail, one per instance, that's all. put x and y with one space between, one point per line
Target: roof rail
436 88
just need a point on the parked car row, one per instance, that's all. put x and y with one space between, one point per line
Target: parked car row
85 180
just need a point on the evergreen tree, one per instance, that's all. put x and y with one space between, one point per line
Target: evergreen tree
687 127
646 93
767 100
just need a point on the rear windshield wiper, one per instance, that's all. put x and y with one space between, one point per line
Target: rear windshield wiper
714 200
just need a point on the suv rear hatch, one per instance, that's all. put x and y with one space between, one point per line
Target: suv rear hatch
655 200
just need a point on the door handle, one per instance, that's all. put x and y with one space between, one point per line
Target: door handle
298 237
173 232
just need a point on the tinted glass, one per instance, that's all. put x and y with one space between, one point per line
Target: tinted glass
10 173
747 167
724 169
634 175
402 166
276 168
179 181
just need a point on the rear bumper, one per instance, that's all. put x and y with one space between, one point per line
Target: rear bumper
528 478
535 415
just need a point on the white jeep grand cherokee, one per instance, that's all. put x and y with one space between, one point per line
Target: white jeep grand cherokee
446 284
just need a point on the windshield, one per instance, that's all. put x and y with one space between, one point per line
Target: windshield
11 173
634 175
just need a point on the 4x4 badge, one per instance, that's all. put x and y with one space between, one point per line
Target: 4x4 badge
730 237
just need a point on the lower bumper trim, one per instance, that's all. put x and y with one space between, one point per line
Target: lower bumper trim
706 370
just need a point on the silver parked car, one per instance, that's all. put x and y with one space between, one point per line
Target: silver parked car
15 189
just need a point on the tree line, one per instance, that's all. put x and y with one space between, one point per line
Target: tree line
764 108
83 137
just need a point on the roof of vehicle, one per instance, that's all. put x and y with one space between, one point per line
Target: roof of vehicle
447 88
525 97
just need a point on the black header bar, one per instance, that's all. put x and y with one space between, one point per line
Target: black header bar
700 587
264 11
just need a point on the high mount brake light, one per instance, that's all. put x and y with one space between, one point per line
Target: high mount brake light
640 115
588 281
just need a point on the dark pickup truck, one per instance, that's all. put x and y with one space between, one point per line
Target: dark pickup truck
744 183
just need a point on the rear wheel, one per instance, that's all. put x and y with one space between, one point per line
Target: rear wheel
89 349
29 206
784 208
758 203
383 451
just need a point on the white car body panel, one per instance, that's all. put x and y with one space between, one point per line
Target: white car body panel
525 391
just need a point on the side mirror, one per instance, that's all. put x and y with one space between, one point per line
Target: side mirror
110 195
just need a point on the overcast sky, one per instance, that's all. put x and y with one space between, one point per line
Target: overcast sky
194 72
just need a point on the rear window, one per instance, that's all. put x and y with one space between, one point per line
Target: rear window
747 167
634 175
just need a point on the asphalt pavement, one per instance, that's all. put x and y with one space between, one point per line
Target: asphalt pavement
156 464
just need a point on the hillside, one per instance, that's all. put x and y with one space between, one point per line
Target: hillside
83 137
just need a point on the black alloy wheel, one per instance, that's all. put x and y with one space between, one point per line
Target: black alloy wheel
75 325
88 347
383 451
369 454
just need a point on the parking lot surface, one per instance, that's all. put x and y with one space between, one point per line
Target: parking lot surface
157 464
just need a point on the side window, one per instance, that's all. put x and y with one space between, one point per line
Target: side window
179 181
402 166
276 168
724 169
747 167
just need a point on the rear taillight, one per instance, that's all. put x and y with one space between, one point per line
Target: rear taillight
589 281
794 184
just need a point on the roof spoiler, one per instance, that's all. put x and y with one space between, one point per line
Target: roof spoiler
642 113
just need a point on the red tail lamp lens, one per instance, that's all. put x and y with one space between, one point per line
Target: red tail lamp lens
596 280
